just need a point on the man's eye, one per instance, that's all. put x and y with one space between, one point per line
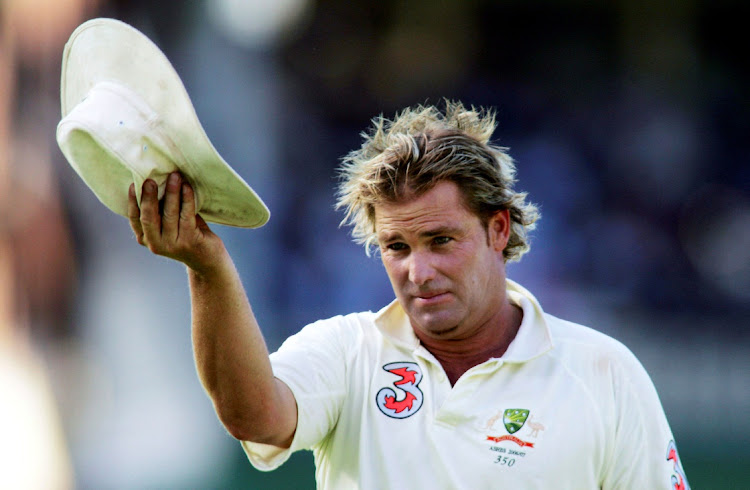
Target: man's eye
442 240
397 246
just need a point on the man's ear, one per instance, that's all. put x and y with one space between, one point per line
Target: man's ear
498 230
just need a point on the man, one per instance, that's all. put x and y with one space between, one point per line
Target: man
463 381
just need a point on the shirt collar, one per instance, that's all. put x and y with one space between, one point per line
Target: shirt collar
393 322
532 340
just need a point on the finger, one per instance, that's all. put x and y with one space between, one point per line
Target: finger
187 210
150 217
171 214
134 215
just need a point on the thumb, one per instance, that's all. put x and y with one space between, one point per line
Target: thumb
201 224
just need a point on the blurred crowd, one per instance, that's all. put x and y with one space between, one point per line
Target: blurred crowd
628 122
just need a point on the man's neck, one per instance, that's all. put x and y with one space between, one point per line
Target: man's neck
490 341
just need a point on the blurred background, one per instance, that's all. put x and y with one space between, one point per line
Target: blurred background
628 121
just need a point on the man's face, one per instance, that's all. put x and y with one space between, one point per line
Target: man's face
446 268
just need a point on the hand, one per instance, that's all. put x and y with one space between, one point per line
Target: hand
176 231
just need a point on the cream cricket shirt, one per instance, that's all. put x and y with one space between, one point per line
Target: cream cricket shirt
565 407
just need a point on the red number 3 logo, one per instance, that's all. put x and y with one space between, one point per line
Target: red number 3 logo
679 481
387 399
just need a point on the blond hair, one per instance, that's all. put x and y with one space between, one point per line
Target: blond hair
422 146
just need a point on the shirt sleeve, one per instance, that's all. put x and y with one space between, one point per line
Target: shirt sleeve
313 363
644 454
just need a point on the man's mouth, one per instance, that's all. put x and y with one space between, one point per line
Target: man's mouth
427 299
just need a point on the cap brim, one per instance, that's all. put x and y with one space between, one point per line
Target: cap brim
102 50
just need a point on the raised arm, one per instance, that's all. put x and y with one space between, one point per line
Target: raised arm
230 354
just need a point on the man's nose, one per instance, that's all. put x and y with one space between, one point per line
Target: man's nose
421 268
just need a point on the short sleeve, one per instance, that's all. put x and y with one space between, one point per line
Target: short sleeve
644 454
314 364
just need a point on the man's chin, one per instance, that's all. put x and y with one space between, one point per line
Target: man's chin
435 325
